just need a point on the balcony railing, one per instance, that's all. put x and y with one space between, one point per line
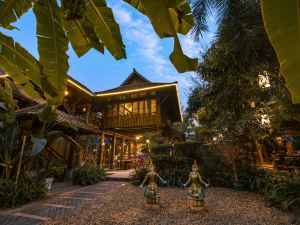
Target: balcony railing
131 121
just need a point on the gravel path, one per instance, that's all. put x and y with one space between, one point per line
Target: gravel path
223 206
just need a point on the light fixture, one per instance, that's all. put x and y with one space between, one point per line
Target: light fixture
84 109
137 138
66 93
147 141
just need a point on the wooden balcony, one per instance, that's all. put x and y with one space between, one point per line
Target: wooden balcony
132 121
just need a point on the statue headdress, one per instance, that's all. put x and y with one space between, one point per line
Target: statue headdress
195 165
150 163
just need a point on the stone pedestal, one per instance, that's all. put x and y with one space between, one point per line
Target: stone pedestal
152 203
196 205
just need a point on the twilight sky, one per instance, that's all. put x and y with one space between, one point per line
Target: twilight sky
145 51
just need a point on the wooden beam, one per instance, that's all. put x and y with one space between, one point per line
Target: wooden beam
113 150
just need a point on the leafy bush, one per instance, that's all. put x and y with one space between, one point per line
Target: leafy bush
137 176
88 174
211 162
284 191
162 162
161 149
187 150
29 187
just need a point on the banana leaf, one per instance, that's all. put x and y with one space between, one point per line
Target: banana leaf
22 67
168 18
106 28
11 10
82 36
52 46
62 134
49 114
38 145
282 22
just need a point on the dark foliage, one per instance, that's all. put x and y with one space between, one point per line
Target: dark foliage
161 149
29 187
88 174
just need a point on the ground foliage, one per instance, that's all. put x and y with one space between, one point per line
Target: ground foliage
29 187
88 174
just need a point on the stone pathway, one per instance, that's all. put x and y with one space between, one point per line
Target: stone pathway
119 175
42 211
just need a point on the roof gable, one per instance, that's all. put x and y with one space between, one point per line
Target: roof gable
135 78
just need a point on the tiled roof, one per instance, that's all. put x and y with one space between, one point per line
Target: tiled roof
61 117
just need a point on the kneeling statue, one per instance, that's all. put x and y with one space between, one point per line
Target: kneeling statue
152 193
196 192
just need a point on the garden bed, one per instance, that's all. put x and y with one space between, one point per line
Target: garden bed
223 206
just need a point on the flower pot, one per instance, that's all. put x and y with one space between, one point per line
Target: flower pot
48 182
238 186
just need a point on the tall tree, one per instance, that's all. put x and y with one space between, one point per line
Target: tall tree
240 79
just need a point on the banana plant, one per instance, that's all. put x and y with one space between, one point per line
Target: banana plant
46 135
281 19
86 24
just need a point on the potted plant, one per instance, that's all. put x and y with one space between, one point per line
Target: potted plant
55 169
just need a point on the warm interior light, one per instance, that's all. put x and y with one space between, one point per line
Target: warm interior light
84 109
66 93
137 138
81 88
147 141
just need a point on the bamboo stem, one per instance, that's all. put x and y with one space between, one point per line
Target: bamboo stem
21 156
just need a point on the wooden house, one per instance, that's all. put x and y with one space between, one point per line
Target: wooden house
119 116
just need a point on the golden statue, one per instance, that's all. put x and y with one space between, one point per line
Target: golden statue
196 192
152 193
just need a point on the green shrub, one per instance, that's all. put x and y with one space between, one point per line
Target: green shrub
137 176
162 162
284 191
187 150
212 166
88 174
161 149
29 187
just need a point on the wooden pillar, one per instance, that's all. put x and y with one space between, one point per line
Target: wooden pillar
123 146
101 149
122 153
113 150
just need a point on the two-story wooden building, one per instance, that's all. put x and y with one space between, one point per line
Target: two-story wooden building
119 116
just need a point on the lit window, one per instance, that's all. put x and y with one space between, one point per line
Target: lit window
135 108
121 109
141 107
128 109
153 106
147 107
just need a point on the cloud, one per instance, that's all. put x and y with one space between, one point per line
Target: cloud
140 36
